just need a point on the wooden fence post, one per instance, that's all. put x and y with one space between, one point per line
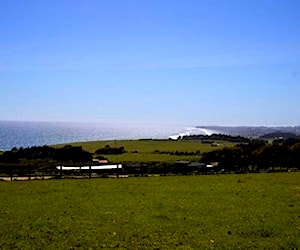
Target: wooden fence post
29 173
90 172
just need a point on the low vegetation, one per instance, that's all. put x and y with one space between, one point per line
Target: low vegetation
253 211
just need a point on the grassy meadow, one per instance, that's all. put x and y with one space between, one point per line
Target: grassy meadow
143 150
252 211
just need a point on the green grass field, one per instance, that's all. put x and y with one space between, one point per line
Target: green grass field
252 211
145 149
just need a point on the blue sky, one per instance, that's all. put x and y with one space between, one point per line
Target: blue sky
198 62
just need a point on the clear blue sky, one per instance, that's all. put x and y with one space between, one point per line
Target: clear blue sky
199 62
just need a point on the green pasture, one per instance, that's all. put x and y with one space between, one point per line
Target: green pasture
251 211
143 150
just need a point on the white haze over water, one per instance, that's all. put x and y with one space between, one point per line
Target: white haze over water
193 131
27 134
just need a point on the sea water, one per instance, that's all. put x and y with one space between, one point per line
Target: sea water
27 134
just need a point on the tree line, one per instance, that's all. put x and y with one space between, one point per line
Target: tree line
67 153
178 153
217 137
257 155
47 156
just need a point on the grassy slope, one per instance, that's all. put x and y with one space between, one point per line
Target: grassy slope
187 212
146 148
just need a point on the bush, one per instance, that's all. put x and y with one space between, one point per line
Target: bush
107 150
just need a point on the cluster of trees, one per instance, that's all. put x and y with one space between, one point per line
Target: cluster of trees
191 153
257 155
108 150
280 135
217 137
65 154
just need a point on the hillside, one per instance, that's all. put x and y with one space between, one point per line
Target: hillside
252 131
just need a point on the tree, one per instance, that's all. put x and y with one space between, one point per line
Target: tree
74 154
295 155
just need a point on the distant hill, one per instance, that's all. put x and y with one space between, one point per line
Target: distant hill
252 131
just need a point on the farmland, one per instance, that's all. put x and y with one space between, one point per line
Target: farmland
183 212
143 150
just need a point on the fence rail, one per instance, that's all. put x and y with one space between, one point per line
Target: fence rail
12 173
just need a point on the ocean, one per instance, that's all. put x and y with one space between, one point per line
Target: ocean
27 134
